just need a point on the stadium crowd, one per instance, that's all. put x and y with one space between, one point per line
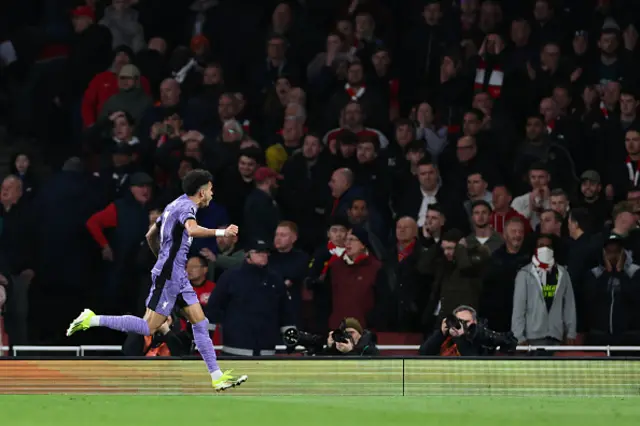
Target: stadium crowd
396 159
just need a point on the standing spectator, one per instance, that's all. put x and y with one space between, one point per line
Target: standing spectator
17 242
122 21
409 290
612 297
457 275
360 216
533 203
291 263
229 256
592 198
544 310
304 191
129 219
483 234
432 230
476 191
261 211
131 98
496 303
234 184
343 192
353 286
252 305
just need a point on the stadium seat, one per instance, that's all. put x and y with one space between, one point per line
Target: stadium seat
585 354
385 338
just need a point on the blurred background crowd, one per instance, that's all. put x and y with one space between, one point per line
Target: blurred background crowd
395 159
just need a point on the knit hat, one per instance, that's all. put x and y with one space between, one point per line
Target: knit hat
362 235
351 322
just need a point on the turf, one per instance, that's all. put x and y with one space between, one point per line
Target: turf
103 410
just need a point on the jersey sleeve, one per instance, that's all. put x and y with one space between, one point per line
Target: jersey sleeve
186 213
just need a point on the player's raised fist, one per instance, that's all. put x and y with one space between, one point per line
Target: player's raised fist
231 231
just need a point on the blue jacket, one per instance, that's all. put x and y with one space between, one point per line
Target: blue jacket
253 306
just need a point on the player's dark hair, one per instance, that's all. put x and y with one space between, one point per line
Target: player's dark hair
194 180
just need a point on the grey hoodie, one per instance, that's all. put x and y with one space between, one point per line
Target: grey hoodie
531 319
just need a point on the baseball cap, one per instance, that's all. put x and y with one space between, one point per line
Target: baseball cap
259 245
140 179
85 11
614 238
130 71
591 176
264 173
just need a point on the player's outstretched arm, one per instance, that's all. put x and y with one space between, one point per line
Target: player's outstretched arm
153 240
196 231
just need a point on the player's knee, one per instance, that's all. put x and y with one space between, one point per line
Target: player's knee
201 326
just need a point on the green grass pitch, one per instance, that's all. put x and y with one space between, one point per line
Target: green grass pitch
113 410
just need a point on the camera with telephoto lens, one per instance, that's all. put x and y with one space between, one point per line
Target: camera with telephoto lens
481 335
340 335
313 343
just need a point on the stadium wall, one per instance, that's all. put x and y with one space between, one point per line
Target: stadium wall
353 377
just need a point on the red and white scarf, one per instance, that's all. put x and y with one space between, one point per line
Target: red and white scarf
336 253
633 174
604 110
358 259
542 268
496 79
404 252
550 126
354 94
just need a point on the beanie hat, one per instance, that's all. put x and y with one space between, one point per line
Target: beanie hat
351 322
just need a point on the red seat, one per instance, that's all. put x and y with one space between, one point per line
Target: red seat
385 338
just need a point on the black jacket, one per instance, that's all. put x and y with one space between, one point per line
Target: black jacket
366 347
261 217
252 305
463 347
612 299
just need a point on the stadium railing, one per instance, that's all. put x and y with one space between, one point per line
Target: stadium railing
86 349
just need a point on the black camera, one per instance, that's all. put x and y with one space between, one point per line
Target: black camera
340 335
481 335
313 343
453 321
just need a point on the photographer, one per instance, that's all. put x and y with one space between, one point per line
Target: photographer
350 339
461 335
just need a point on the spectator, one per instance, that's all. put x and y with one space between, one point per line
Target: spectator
17 242
611 296
262 226
342 293
531 204
551 319
496 303
21 167
359 216
197 271
131 98
291 263
433 227
483 234
457 275
252 305
229 256
410 291
476 191
502 210
592 198
129 219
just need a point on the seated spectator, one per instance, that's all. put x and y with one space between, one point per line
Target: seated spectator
131 98
105 84
551 319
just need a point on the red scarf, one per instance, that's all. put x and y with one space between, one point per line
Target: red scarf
551 126
633 174
361 257
449 348
336 201
394 93
405 252
336 253
354 94
246 127
604 110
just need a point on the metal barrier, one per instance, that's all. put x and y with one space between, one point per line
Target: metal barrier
83 350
